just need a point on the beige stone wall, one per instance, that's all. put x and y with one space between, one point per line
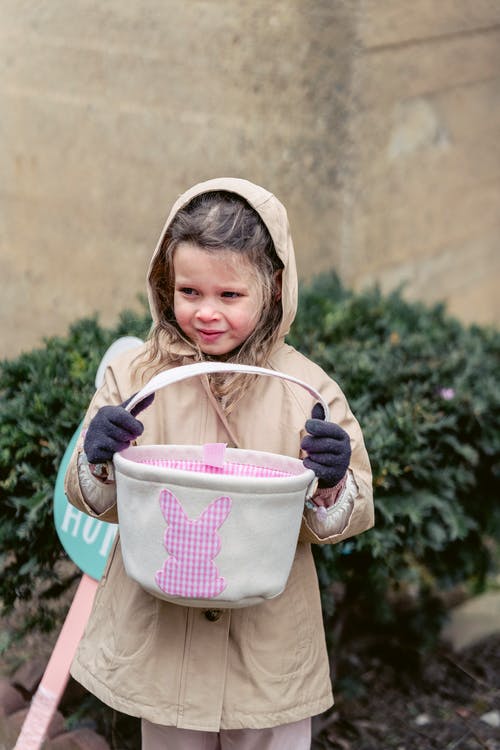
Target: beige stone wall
376 123
423 200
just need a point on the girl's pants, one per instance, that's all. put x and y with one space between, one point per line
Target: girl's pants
296 736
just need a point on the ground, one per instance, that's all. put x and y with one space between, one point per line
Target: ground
393 698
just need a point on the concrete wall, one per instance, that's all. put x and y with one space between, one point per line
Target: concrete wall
376 123
423 198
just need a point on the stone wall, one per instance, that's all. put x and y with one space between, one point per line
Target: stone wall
423 196
374 121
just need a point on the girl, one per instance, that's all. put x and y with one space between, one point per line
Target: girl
222 285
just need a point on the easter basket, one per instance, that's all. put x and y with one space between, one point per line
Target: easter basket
210 526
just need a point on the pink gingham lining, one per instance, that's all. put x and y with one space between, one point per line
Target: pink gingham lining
233 469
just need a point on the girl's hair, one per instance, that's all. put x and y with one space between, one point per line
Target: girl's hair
215 221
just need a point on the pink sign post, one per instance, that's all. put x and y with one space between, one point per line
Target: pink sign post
46 699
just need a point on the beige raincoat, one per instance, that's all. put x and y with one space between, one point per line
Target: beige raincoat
253 667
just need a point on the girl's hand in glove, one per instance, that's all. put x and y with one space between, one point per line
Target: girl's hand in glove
113 429
328 447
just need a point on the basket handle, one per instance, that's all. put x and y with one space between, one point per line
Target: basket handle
176 374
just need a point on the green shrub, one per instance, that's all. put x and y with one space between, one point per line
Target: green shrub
424 388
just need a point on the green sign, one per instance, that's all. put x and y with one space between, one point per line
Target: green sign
86 540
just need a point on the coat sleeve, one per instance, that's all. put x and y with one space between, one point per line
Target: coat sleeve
108 393
361 516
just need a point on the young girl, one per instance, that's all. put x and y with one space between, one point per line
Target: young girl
222 285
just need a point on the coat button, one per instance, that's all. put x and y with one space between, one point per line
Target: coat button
213 614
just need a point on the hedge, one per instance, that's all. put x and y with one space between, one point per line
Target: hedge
425 390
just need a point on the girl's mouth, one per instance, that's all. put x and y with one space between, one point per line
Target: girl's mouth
209 336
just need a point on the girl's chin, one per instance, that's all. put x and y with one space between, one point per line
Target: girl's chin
217 352
215 345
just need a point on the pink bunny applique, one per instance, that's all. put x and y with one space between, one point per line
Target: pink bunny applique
192 544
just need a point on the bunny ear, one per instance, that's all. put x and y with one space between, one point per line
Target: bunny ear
171 508
217 512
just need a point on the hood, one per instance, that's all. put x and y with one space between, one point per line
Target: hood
274 216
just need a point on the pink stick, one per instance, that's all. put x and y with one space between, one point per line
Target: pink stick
46 699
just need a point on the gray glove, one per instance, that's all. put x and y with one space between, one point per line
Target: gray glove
328 447
113 429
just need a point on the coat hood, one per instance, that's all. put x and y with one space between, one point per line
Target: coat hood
274 216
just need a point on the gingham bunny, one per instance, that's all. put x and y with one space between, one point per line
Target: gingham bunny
192 544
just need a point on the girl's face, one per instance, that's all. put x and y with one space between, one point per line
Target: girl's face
217 298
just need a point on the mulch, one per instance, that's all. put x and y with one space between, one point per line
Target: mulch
390 696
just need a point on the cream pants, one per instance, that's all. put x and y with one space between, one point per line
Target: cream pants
296 736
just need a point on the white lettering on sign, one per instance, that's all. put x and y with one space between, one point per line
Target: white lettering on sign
71 514
91 532
108 540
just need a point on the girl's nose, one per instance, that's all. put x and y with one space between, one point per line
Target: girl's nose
207 312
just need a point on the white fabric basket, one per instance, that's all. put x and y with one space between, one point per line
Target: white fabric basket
208 526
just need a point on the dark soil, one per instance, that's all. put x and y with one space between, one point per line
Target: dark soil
390 697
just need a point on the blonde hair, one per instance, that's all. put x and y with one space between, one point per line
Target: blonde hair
217 221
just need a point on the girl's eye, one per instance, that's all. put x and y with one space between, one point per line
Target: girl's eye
187 290
231 295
